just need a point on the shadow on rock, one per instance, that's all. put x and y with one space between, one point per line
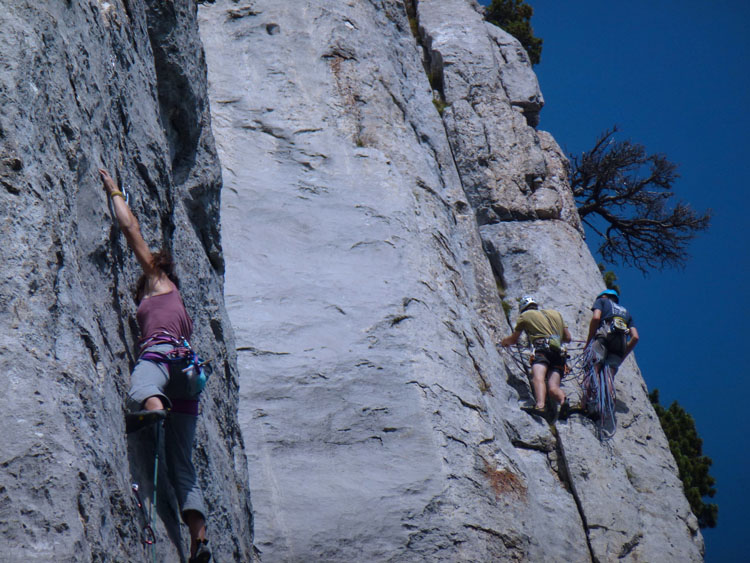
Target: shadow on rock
141 459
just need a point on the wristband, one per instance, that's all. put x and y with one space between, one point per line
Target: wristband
116 193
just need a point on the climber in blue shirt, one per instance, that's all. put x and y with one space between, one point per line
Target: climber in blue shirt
612 331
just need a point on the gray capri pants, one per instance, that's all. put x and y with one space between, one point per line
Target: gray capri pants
148 380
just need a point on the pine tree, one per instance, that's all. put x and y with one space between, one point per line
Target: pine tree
625 196
609 277
687 449
514 16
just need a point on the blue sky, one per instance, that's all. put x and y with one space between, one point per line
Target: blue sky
674 76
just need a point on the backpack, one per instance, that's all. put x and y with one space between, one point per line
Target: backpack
614 330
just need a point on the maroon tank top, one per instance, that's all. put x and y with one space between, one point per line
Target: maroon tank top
163 314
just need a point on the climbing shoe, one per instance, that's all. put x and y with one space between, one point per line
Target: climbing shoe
136 420
533 409
564 411
576 409
202 554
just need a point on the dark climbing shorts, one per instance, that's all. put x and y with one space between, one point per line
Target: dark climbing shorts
547 357
605 356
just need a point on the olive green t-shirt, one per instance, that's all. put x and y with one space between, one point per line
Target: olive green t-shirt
540 324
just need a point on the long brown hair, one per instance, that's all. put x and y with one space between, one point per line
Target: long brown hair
163 261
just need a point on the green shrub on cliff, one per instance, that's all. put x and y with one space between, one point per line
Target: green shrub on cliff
687 449
609 277
514 16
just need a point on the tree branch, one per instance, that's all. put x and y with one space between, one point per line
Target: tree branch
631 191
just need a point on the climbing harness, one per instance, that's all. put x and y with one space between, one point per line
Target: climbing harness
543 345
187 376
551 343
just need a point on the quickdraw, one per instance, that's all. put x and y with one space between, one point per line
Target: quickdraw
150 537
150 517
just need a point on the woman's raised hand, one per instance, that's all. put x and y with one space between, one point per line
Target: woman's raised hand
109 183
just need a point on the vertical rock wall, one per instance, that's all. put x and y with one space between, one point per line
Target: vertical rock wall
384 185
355 272
627 490
118 84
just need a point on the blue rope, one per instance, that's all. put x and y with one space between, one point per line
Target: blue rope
599 391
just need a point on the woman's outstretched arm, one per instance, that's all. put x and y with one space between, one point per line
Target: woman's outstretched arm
129 225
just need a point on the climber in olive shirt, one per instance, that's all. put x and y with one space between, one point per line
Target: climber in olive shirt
546 331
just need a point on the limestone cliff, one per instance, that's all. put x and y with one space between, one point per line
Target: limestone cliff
119 84
383 177
384 183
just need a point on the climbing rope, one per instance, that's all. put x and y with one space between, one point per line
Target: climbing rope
597 388
574 363
152 509
599 397
517 355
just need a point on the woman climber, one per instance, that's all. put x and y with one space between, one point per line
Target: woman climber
156 387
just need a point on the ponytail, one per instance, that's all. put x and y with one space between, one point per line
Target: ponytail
162 260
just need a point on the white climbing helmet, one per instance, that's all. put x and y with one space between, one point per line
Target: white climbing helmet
526 302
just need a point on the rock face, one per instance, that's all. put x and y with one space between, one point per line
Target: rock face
120 85
385 191
368 238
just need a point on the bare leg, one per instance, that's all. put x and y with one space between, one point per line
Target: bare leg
153 404
554 387
197 526
538 373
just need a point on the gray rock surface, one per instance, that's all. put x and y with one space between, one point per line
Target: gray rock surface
628 489
120 85
501 167
385 188
549 259
382 421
